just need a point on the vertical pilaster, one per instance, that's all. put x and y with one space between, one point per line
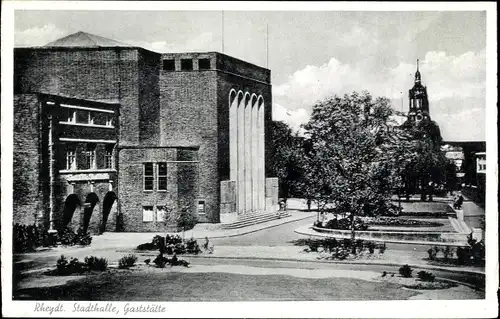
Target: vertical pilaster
248 154
233 138
261 152
241 156
255 155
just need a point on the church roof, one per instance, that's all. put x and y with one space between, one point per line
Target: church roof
83 39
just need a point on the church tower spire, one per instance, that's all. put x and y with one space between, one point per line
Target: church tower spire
419 103
417 75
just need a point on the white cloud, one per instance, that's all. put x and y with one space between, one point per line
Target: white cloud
38 36
293 118
450 79
203 42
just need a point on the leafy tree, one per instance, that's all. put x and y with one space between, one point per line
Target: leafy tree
285 158
353 157
431 164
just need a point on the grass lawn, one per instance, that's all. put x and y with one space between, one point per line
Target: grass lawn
166 285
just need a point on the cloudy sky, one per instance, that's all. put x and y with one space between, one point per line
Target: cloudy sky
315 54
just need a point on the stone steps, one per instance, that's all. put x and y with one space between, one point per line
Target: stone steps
253 219
460 226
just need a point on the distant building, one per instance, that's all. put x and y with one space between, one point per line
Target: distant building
109 136
418 101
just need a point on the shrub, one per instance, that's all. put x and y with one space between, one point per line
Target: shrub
313 244
447 252
67 236
173 239
157 241
179 248
463 255
83 238
147 246
345 224
425 276
95 263
405 271
127 261
186 219
61 264
360 244
160 261
29 237
192 246
65 268
341 253
382 248
477 249
329 244
371 247
432 253
318 224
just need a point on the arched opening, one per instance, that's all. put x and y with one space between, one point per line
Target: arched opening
248 151
253 154
240 181
70 205
90 202
107 204
233 135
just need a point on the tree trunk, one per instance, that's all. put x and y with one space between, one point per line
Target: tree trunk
353 235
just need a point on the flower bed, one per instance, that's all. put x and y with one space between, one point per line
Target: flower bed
400 222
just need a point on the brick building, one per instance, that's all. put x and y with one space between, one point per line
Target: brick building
114 137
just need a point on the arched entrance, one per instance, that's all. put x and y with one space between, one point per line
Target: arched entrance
90 202
107 204
70 205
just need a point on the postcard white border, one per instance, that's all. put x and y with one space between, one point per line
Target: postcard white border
339 309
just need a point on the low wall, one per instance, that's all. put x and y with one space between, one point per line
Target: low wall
433 238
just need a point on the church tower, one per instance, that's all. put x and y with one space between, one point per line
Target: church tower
419 104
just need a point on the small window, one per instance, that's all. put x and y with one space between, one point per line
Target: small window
109 120
147 213
108 157
148 176
89 153
91 117
162 176
169 65
186 64
204 64
70 159
201 207
70 116
82 117
161 214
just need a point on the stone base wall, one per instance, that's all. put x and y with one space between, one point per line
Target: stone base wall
228 212
272 190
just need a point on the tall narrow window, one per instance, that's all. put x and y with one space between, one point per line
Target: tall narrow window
108 157
148 176
147 213
82 117
162 176
70 116
161 214
109 119
70 159
89 153
91 117
201 207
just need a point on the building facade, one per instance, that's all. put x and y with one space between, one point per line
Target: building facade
136 135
